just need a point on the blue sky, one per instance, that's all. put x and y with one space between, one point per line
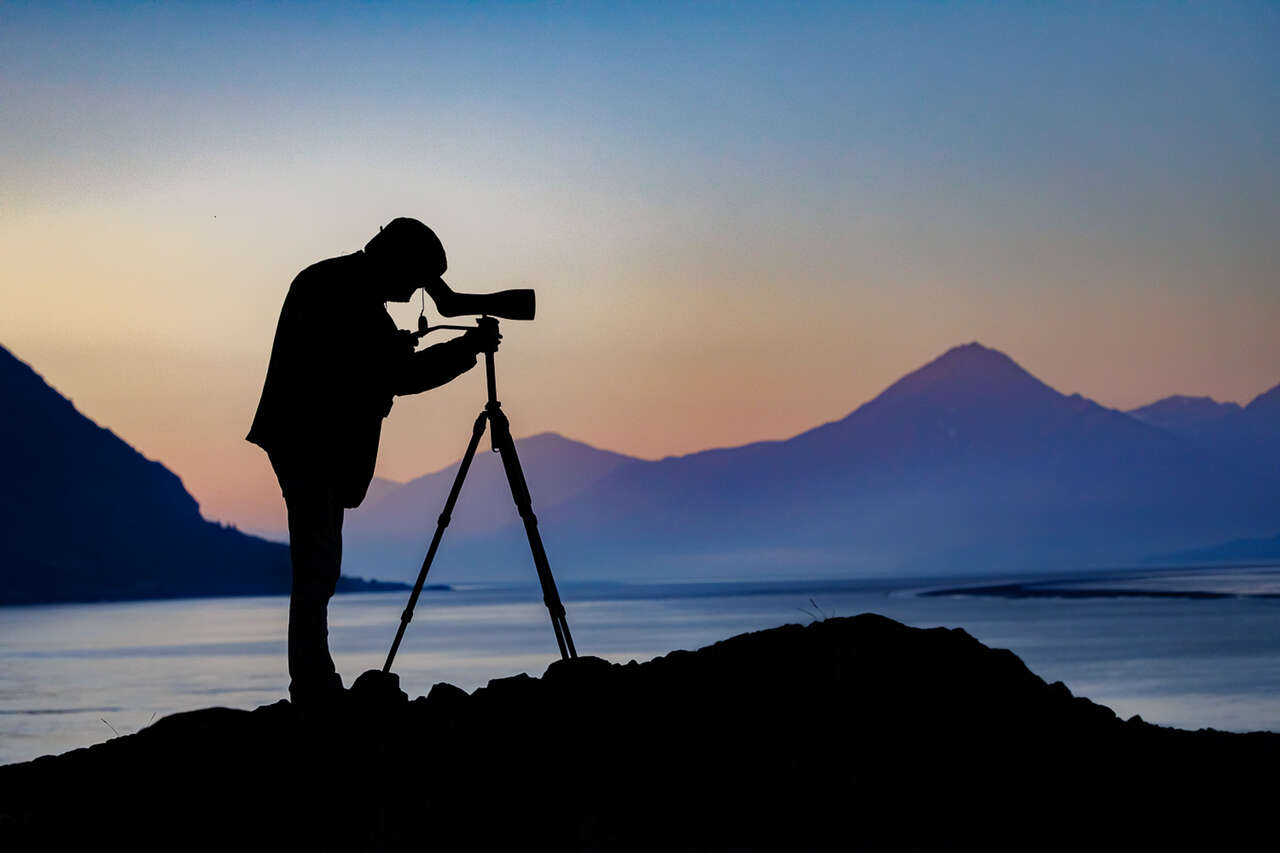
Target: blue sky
742 219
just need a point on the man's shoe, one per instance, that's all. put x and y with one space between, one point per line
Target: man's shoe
378 690
322 696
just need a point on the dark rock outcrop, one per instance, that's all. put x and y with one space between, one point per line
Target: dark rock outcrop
855 733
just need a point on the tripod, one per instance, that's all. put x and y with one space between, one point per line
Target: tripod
500 435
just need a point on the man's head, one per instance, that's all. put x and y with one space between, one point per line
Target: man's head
407 255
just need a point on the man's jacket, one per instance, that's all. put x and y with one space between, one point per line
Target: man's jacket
336 363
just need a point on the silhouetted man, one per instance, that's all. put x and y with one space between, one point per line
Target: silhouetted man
337 362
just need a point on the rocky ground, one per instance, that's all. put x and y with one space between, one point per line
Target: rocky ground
856 733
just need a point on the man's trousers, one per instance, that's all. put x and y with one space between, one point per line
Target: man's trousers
315 552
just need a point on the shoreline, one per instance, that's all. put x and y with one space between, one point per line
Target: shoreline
1019 590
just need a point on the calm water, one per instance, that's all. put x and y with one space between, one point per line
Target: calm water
74 675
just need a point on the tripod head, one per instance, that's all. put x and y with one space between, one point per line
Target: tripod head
483 322
425 328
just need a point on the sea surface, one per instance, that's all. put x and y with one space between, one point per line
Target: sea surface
76 675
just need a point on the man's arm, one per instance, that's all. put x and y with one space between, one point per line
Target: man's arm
434 366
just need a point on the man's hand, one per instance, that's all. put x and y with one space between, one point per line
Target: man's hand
484 337
406 340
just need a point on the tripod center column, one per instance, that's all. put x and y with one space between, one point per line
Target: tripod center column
489 376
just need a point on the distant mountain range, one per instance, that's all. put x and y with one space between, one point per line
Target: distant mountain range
85 517
394 525
1247 435
969 464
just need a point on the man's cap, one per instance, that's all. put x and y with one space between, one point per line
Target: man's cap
409 243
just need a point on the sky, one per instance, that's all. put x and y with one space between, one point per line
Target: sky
741 219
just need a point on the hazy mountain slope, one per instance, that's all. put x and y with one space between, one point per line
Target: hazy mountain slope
84 516
1246 436
1264 410
390 531
1189 416
379 488
969 463
1237 551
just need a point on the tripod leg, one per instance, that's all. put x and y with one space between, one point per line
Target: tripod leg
445 515
500 433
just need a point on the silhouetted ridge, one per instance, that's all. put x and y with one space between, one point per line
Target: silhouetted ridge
52 448
85 517
843 734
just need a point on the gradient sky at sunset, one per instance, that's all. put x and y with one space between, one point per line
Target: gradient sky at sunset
741 219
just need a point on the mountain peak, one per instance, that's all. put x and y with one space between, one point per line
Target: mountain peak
975 354
971 371
551 438
975 360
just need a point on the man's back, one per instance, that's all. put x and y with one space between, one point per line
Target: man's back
327 385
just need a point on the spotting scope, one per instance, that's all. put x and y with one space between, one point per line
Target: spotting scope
507 304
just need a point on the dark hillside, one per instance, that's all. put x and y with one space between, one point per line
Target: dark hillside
85 517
